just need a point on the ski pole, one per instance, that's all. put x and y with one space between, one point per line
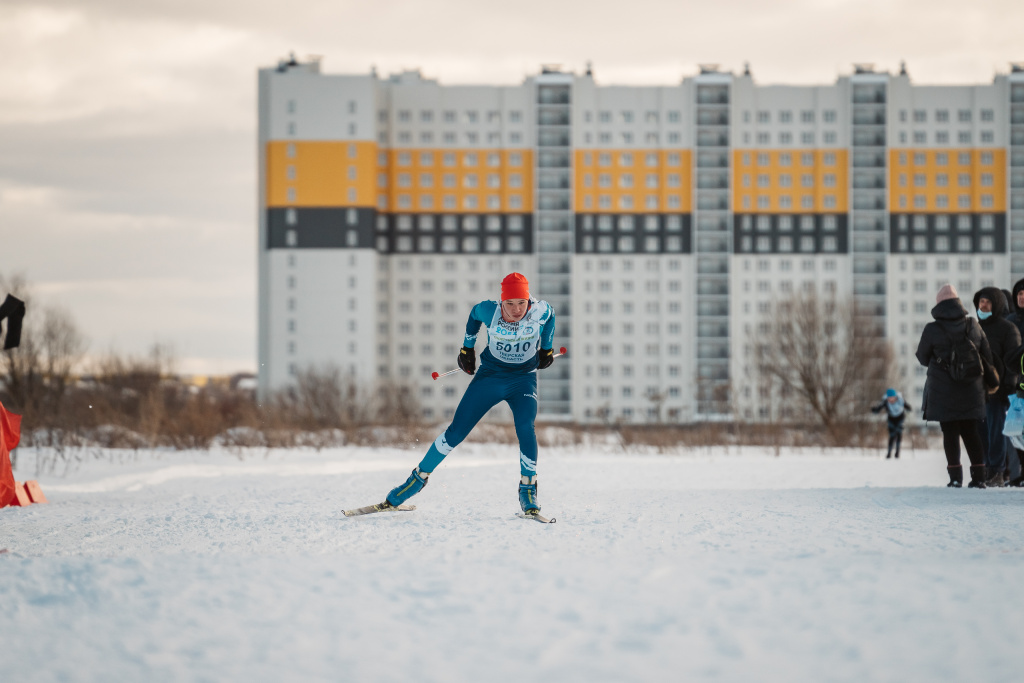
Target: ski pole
435 375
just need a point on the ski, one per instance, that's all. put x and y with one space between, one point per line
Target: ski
379 507
537 517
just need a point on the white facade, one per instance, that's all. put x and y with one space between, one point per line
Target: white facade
662 223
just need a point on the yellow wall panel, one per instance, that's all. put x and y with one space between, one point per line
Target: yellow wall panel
590 166
406 170
908 166
828 180
321 174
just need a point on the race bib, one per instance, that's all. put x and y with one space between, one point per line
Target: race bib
516 343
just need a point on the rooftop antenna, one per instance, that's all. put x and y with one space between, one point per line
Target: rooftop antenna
590 70
746 68
903 68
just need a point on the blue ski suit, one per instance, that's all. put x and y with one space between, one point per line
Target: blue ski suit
507 372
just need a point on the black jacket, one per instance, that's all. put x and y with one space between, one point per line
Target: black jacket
1017 317
945 399
1003 338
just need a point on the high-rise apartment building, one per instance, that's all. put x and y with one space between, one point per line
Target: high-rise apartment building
661 222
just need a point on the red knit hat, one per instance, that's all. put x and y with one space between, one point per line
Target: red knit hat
515 286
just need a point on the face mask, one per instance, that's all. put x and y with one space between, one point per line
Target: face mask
982 315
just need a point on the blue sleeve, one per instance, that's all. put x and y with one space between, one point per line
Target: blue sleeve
547 331
482 314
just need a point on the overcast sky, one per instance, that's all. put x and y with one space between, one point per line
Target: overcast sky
127 128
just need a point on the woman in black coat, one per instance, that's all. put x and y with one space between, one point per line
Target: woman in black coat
956 406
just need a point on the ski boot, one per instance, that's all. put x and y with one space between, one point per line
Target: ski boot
528 495
977 477
413 485
956 477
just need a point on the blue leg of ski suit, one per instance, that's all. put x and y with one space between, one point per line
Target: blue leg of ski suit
488 388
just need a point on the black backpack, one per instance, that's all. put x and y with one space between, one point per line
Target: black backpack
964 364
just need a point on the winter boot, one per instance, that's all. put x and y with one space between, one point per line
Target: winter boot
977 477
413 485
528 494
956 477
995 481
1018 481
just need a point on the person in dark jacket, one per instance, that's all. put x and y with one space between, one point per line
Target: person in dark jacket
1017 304
896 409
1010 308
1017 318
1015 363
956 406
1003 338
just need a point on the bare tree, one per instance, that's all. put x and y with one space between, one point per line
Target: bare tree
819 355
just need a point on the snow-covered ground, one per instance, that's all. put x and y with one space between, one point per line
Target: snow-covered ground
729 565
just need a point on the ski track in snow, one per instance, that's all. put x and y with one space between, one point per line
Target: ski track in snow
721 565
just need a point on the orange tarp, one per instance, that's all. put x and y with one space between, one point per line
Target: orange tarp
10 435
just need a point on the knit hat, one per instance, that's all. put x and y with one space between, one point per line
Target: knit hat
515 286
890 393
947 292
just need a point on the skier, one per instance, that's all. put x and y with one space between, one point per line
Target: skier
896 408
520 333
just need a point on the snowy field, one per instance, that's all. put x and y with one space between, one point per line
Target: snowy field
721 565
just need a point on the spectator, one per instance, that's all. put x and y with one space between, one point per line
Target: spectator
1003 339
956 406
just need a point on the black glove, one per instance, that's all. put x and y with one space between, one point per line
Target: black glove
467 360
545 358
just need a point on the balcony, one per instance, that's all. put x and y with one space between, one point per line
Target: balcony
553 180
554 222
712 94
869 266
557 265
868 116
864 287
868 243
868 202
713 181
1017 179
715 243
553 202
707 138
553 138
1017 158
863 159
869 94
712 202
554 243
713 328
1017 93
553 159
1017 115
872 181
553 94
712 117
713 307
553 117
868 223
711 350
546 287
868 138
712 160
713 266
718 286
1017 136
712 223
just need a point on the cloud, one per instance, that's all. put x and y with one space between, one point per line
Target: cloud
127 128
